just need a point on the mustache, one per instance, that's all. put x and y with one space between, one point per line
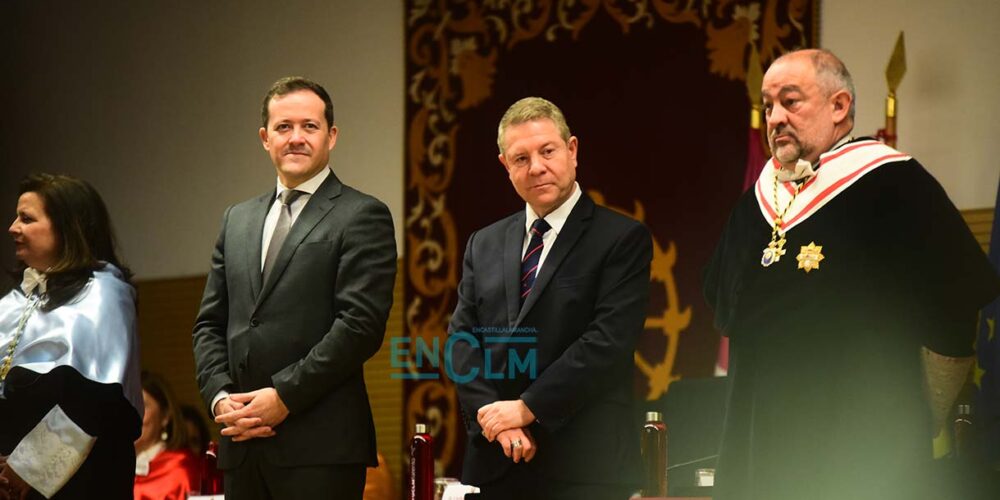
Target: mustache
297 150
783 129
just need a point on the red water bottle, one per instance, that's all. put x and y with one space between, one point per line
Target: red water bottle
421 465
211 476
654 456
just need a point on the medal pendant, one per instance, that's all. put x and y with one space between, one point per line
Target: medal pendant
773 252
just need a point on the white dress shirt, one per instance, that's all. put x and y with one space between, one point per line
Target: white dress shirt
556 219
308 188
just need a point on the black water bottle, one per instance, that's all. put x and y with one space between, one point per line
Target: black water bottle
962 428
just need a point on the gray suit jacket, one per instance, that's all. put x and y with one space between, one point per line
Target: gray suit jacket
308 330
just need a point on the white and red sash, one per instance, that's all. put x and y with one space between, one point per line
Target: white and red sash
841 168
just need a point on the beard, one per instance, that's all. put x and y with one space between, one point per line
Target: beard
790 150
788 153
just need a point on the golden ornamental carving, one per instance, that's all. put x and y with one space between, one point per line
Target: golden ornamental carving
670 321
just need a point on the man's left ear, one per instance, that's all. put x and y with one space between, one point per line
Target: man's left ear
841 105
333 136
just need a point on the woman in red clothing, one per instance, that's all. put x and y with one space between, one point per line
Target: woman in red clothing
164 468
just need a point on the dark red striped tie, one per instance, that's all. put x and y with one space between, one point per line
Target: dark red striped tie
529 264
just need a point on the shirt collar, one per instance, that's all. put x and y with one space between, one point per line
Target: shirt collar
146 456
804 169
310 186
556 218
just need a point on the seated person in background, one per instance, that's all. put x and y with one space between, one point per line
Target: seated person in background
197 431
165 469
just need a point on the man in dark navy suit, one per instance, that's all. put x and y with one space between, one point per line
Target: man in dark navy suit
562 284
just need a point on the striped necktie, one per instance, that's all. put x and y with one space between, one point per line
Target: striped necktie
529 264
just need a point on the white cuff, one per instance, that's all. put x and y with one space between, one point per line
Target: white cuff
51 453
223 394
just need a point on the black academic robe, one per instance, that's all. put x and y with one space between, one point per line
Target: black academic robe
99 409
827 395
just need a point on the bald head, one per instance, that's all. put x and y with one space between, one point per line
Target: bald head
830 72
808 104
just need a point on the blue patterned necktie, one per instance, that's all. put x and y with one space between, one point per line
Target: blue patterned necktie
529 264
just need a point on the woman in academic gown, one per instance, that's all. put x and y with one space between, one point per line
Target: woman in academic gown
69 361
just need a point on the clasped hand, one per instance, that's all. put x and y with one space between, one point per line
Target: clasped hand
522 435
507 422
251 415
12 487
499 416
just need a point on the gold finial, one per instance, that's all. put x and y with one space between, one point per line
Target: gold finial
894 72
896 68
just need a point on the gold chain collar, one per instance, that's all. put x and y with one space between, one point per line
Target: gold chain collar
776 248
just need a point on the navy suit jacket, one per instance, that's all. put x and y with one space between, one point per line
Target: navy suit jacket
586 311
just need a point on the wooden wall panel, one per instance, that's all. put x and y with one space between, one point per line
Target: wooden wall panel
167 309
386 393
980 221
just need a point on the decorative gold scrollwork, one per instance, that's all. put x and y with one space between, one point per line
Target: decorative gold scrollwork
671 321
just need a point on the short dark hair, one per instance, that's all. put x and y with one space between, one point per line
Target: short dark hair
290 84
198 442
158 389
83 233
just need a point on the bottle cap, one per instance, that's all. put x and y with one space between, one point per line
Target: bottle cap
421 429
654 416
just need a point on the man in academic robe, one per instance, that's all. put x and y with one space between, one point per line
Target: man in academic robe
848 285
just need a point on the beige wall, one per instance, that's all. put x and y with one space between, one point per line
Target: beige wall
949 99
157 103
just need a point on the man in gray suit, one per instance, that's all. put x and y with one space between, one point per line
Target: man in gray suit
296 301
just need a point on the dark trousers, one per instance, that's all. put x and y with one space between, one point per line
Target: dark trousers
521 482
257 479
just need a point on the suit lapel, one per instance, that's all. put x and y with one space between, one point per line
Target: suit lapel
256 236
513 245
575 226
316 208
